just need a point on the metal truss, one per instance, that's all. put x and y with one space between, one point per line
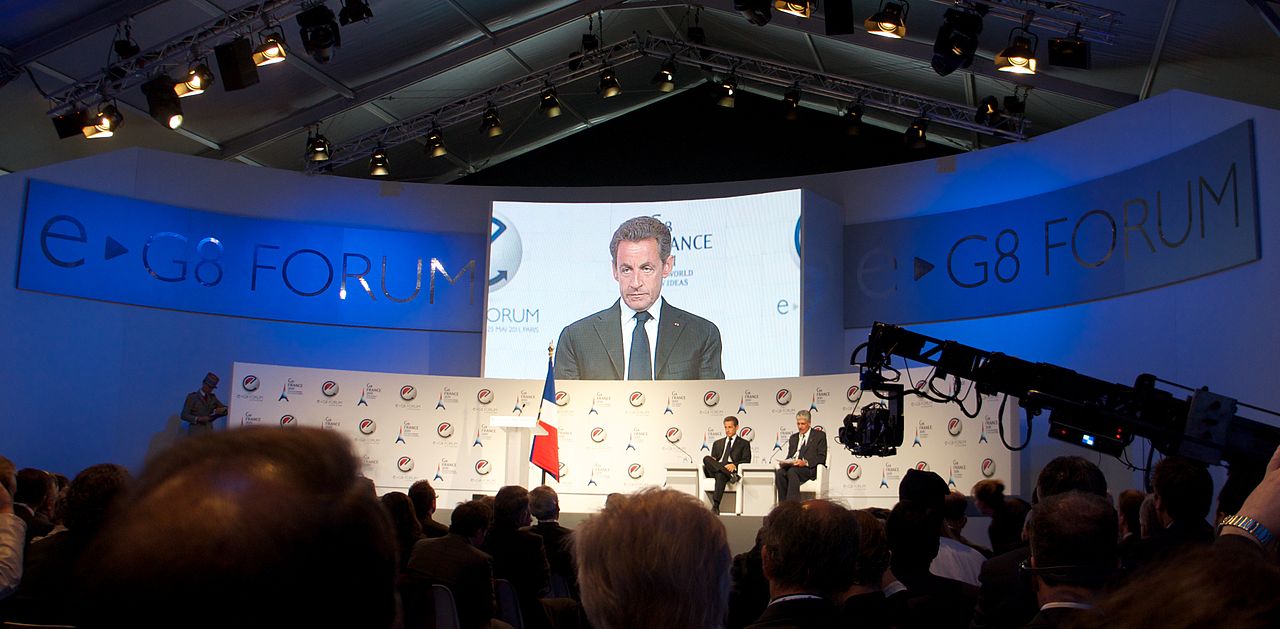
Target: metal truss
842 89
527 86
1087 21
176 52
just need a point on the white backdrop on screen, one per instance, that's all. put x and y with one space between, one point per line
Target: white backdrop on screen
736 263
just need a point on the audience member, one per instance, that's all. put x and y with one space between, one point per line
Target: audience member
954 560
930 600
424 498
955 518
865 605
518 555
251 527
48 593
544 504
1148 520
13 531
1129 508
1008 515
1074 553
456 562
749 589
1183 493
33 501
655 559
1006 600
404 522
809 555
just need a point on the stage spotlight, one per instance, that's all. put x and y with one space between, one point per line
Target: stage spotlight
550 102
104 123
791 103
957 41
379 163
798 9
125 46
435 142
590 42
666 76
318 148
890 20
915 135
609 86
728 92
1069 52
270 51
758 12
70 125
853 119
1015 106
319 31
162 101
988 112
198 79
354 11
1019 57
491 125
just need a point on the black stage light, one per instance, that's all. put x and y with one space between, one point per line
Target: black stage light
354 11
915 135
957 41
696 35
804 8
609 85
435 142
890 21
235 64
162 101
320 34
758 12
839 17
104 122
791 103
491 125
1069 52
270 51
318 148
590 42
70 125
550 104
666 76
853 118
728 92
988 112
379 163
197 79
1019 57
125 46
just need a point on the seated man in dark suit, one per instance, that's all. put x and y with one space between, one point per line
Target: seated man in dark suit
1074 552
1183 493
641 336
806 450
520 557
930 601
423 496
809 553
727 453
544 505
456 562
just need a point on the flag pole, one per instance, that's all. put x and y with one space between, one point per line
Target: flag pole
550 355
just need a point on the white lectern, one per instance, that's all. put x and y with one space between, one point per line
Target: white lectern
519 429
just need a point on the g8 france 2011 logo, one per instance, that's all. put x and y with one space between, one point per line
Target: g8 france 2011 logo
250 383
746 432
954 426
404 464
635 471
636 398
288 421
783 397
711 398
444 430
484 396
483 467
367 426
408 392
562 398
854 471
988 468
329 388
598 434
674 434
505 251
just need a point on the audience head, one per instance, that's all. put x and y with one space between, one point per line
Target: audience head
1130 503
92 496
1148 519
803 419
989 495
404 520
1073 540
544 503
1007 525
811 547
1069 473
511 507
1183 490
926 488
423 496
873 550
912 533
471 519
259 526
657 558
954 506
36 489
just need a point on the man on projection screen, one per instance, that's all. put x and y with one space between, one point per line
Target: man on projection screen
641 336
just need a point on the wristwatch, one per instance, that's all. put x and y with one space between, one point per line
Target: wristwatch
1248 525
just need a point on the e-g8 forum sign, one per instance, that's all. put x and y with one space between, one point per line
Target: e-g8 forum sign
99 246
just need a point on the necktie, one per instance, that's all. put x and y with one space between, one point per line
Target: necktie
803 440
728 445
640 365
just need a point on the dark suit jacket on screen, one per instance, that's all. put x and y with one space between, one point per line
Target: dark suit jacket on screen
688 347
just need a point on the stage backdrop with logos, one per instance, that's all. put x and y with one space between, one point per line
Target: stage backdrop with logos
614 436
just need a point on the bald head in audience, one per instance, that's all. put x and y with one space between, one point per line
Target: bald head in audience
657 558
252 527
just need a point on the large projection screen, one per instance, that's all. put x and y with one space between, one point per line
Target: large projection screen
737 264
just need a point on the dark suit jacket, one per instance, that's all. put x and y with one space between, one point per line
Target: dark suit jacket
555 540
688 347
807 613
1005 599
933 602
741 452
519 557
433 529
815 451
453 562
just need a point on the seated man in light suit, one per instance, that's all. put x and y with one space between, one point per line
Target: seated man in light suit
615 343
727 453
807 450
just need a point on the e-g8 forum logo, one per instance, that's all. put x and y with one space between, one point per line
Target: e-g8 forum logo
405 464
445 430
367 426
954 426
674 434
635 471
598 434
636 398
329 388
711 398
854 471
250 383
408 392
505 251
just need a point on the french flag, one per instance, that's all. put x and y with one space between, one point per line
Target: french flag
546 441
